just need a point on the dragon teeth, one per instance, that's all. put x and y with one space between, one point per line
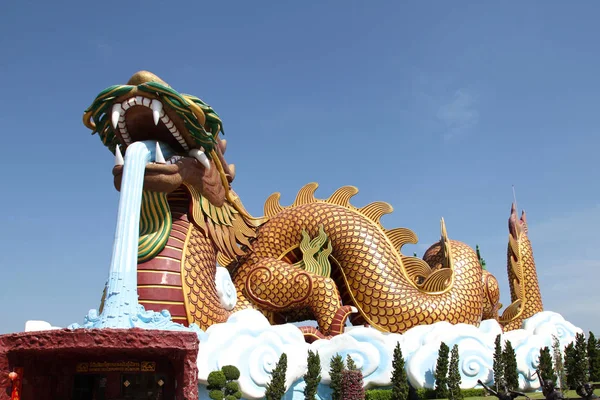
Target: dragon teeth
200 156
117 112
118 156
159 158
174 159
157 110
158 114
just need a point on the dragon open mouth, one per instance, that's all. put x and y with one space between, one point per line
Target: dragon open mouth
141 118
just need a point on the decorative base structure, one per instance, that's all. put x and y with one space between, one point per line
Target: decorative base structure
190 263
71 364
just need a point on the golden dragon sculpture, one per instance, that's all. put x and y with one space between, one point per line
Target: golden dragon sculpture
325 260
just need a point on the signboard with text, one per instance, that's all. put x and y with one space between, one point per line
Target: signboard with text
119 366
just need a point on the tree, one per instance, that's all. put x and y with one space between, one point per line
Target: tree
312 378
276 387
352 385
454 380
481 260
593 353
498 366
545 365
441 372
399 379
559 365
581 364
511 373
336 366
350 363
570 366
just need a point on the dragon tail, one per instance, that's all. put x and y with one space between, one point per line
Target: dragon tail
525 295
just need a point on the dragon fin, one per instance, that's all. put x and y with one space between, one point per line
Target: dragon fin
306 195
438 280
401 236
374 211
342 196
511 312
272 206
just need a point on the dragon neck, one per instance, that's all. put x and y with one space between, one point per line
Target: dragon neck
229 230
155 225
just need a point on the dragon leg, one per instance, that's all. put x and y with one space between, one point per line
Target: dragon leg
279 287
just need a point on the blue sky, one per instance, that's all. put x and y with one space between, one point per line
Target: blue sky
435 107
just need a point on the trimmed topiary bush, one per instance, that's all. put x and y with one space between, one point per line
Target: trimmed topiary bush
352 385
222 384
216 380
216 395
232 388
231 372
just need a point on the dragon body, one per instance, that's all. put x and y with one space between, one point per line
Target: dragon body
325 260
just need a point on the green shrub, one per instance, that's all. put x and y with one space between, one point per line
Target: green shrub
473 392
221 387
216 395
231 372
216 380
429 394
425 393
232 388
378 394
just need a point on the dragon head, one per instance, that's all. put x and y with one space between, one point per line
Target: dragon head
147 108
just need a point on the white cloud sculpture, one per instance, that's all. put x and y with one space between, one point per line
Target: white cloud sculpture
248 341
